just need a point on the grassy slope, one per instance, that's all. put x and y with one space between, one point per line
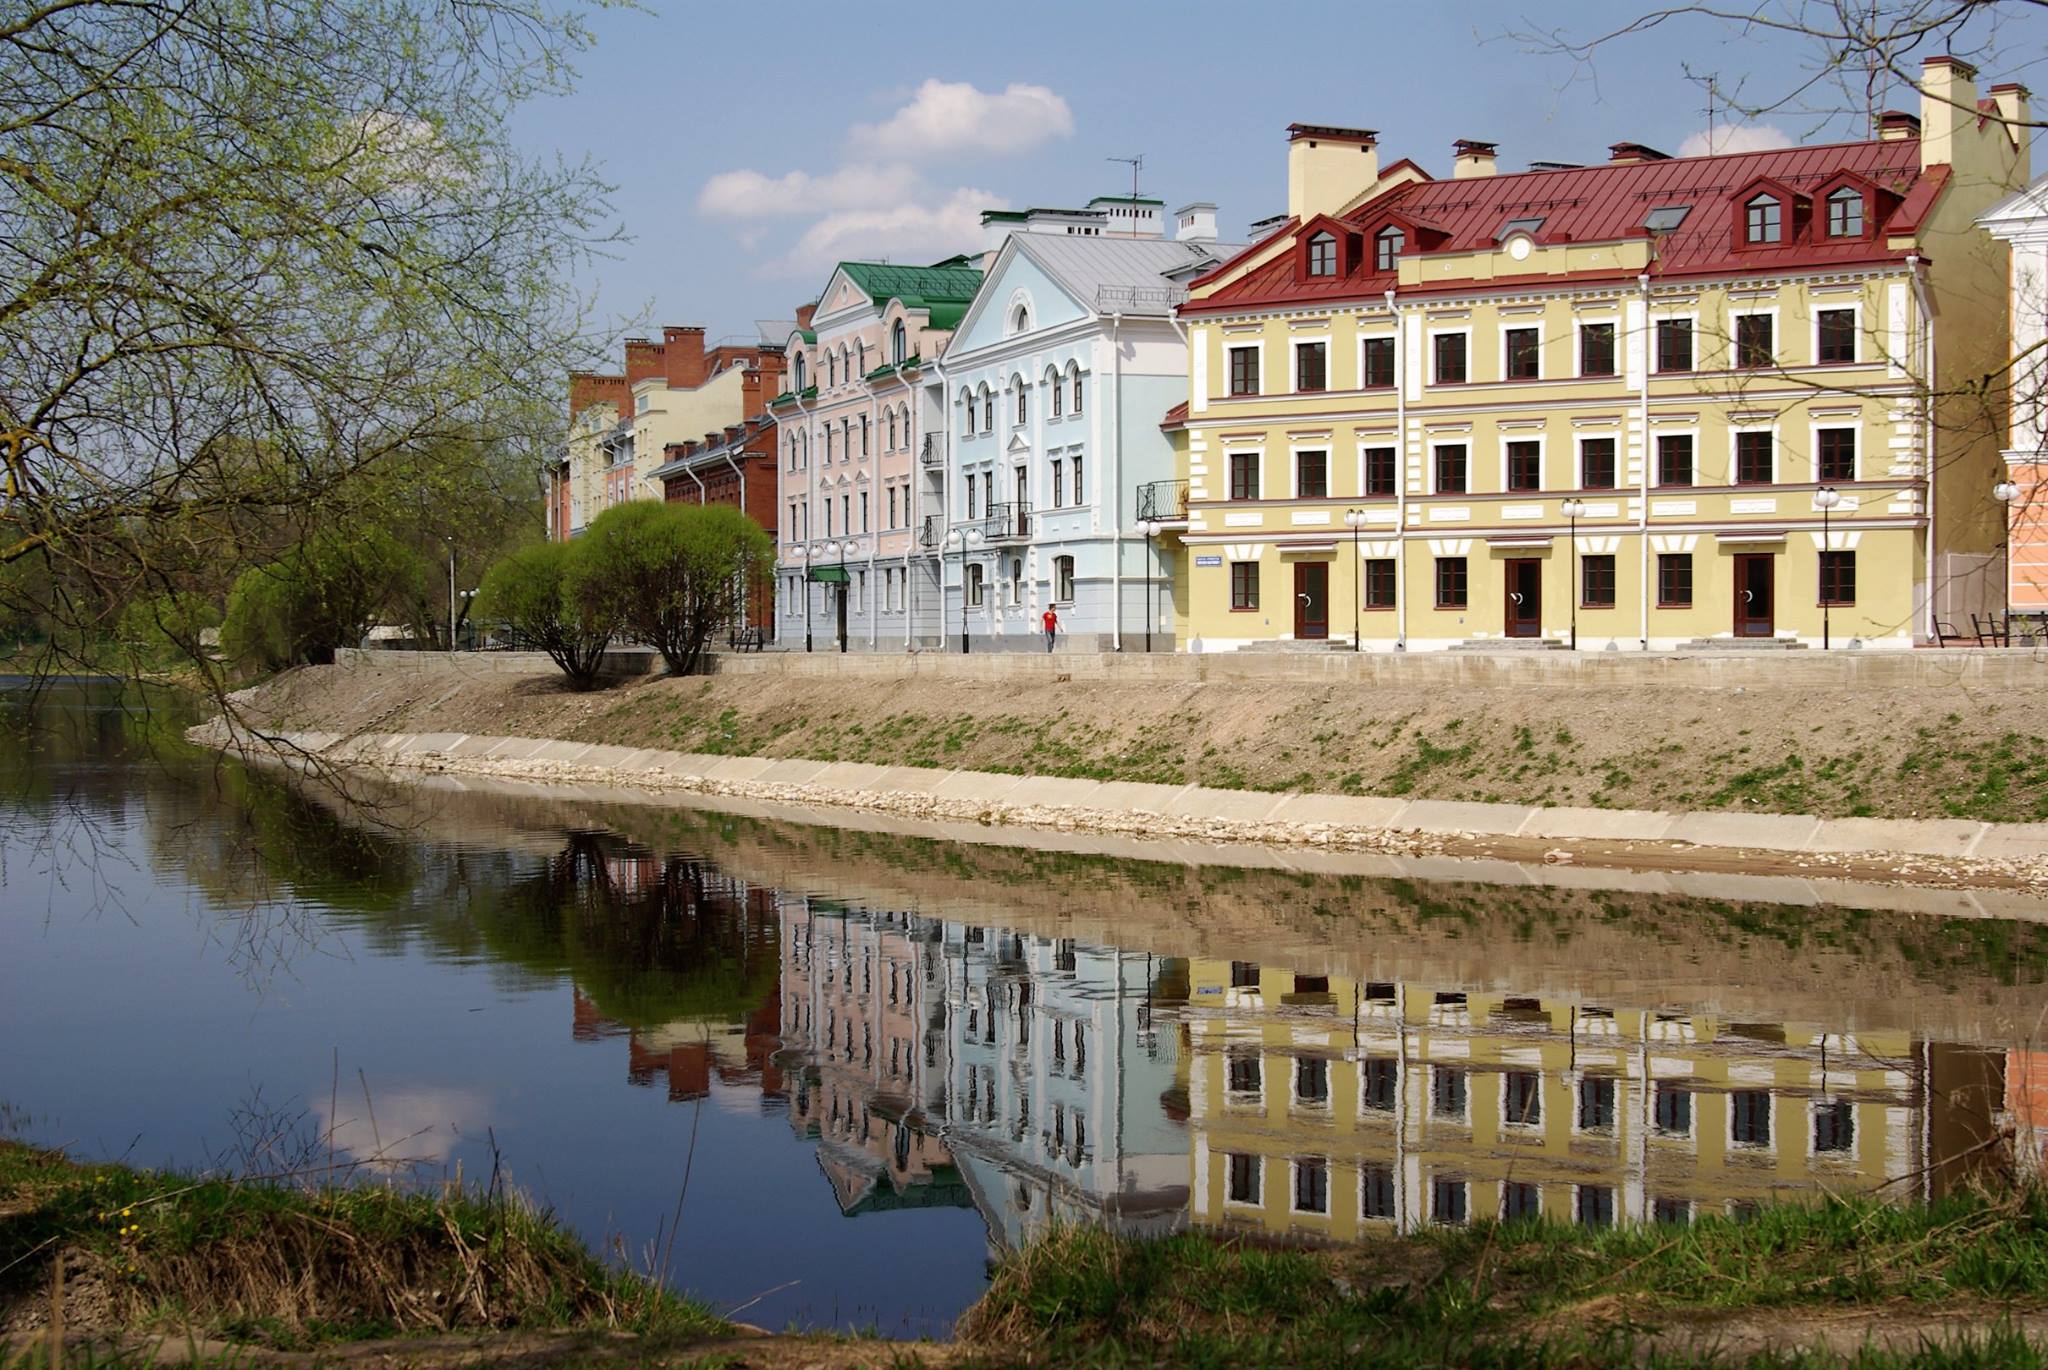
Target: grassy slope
1523 1294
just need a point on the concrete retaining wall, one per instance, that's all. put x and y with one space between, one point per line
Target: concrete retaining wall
1187 809
626 661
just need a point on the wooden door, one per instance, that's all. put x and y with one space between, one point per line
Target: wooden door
1311 599
1524 597
1755 597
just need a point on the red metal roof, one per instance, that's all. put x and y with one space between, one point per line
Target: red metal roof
1607 203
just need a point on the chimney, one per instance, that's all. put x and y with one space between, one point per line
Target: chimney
805 313
589 387
643 361
1896 126
1948 101
683 353
2015 110
1628 154
1328 168
1470 158
1195 223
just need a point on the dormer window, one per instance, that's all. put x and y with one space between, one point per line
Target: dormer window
1765 219
1845 213
1322 255
1386 246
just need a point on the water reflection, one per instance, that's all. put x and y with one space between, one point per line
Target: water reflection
956 1045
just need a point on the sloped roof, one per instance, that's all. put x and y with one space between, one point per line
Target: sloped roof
1607 203
919 287
1085 266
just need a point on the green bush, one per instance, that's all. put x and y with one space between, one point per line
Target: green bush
325 593
528 591
168 624
671 574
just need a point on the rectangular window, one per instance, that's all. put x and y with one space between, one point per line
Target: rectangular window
1376 1192
1312 1081
1246 1075
1835 455
1312 366
1379 583
1596 1103
1596 349
1311 475
1595 1205
1447 1092
1450 469
1381 472
1520 1200
1524 355
1447 1201
973 488
1674 459
1596 581
1674 580
1674 344
1753 459
1449 350
1522 1098
1450 582
1245 974
1078 496
1244 475
1063 579
1312 1186
1379 1081
1838 577
1674 1111
1671 1212
1596 464
1749 1117
1763 215
1834 1125
1244 1179
1835 336
864 511
1377 363
1244 585
1525 466
1244 370
1753 341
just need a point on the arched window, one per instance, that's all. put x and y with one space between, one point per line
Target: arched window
892 430
800 370
1386 246
967 413
1845 213
1057 391
845 365
1074 376
860 360
899 343
1023 399
863 434
1764 219
988 409
831 370
1322 255
1020 319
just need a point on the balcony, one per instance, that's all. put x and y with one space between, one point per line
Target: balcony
930 534
934 454
1007 523
1163 501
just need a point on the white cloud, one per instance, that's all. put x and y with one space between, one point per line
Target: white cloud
403 1127
918 231
1735 138
752 195
954 117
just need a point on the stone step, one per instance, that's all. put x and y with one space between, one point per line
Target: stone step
1510 644
1742 644
1289 644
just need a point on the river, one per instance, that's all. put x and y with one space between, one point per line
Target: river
861 1065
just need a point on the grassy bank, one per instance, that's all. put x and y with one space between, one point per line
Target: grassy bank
289 1267
1844 1281
1882 752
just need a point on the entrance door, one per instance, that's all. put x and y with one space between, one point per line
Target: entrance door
1524 597
842 587
1311 599
1755 597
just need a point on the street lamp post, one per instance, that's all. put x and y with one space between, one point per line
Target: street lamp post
1356 519
1148 530
842 594
2006 492
957 538
805 553
1827 497
1572 508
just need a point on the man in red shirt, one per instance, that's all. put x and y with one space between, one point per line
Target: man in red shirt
1052 627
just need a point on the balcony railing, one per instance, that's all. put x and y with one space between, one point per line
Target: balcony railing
934 453
1163 501
930 535
1007 522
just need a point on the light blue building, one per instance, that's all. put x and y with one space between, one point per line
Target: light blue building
1052 391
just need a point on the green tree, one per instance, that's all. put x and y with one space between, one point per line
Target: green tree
325 594
170 624
529 591
672 574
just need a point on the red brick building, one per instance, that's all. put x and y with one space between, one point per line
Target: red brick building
735 467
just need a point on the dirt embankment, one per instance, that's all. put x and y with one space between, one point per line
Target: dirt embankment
1890 753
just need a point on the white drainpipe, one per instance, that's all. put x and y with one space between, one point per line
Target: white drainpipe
1918 269
1400 480
1116 464
1643 517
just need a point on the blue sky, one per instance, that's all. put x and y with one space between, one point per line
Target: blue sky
751 145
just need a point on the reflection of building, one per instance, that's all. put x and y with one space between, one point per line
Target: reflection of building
969 1064
1328 1107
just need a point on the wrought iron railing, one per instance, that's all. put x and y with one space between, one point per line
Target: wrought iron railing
929 534
934 453
1007 522
1163 500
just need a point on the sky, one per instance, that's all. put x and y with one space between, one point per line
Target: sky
752 146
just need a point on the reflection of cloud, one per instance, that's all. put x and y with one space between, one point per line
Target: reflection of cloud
1735 138
399 1127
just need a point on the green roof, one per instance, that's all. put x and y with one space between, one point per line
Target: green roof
919 287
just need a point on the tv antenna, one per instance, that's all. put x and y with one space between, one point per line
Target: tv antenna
1136 164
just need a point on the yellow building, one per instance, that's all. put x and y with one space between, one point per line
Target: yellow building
1324 1108
1644 404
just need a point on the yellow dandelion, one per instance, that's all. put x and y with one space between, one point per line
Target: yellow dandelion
127 1212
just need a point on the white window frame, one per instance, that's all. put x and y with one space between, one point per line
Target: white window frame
1464 1183
1400 1081
1579 323
1073 377
1777 360
1390 333
1657 316
1580 1083
1294 451
1815 427
1244 1098
1464 1118
1814 1153
1826 207
1735 430
1068 570
1257 345
1542 1104
1260 1185
1516 325
1542 441
1692 1111
1769 1148
1294 346
1579 441
1650 456
1818 307
1295 1102
1431 475
1429 355
1366 1167
1294 1165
